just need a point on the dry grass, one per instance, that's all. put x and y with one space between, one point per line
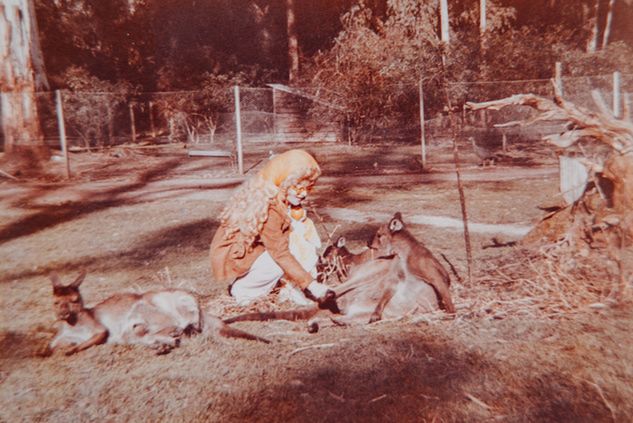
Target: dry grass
528 344
542 285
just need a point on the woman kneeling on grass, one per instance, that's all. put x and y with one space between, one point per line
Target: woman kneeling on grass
250 250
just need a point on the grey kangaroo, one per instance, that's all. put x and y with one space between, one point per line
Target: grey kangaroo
404 278
157 319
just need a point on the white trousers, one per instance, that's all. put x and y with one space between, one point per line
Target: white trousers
259 281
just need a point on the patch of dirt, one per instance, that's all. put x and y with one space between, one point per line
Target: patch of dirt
143 218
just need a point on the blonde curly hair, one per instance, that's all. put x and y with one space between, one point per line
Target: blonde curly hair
247 210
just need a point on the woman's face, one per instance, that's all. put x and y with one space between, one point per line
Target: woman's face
297 193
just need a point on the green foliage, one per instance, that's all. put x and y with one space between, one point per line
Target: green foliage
374 68
195 114
91 105
616 56
368 62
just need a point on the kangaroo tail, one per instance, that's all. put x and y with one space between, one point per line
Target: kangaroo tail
229 332
298 314
215 326
459 278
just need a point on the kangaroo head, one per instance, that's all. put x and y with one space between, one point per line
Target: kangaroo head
332 252
333 258
382 241
67 301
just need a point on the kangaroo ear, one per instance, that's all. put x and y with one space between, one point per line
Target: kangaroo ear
79 280
396 225
398 216
340 242
55 280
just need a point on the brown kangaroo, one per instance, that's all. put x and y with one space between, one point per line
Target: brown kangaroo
383 287
394 238
157 319
337 260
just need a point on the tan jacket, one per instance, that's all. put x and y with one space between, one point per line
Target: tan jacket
231 258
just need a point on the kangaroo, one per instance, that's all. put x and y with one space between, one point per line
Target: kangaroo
377 289
157 319
339 261
394 238
390 286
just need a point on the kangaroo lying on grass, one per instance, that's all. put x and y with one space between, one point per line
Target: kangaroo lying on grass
157 319
404 278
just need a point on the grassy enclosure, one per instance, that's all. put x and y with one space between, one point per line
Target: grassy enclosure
533 338
501 131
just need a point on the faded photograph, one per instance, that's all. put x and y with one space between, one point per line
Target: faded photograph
316 210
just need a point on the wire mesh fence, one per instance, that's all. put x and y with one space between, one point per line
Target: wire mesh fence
278 113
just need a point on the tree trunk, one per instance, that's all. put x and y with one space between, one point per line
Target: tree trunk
22 134
444 26
592 45
293 43
607 25
41 82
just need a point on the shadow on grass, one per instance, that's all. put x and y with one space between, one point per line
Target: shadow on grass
397 378
53 215
181 241
413 377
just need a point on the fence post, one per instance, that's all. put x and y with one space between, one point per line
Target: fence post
422 134
617 89
238 129
62 130
482 17
152 128
444 24
558 77
274 115
132 125
110 125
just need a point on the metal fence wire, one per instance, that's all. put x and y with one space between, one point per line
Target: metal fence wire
280 114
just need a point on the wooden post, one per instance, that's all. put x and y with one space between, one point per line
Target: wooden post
460 186
238 129
558 76
504 142
274 116
132 124
110 125
462 200
152 128
62 130
617 98
422 134
348 129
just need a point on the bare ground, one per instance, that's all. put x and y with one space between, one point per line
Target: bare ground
531 341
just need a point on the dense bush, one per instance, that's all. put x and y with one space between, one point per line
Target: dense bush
376 63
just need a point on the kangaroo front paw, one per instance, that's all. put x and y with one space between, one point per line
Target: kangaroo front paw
375 317
44 351
162 349
70 350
